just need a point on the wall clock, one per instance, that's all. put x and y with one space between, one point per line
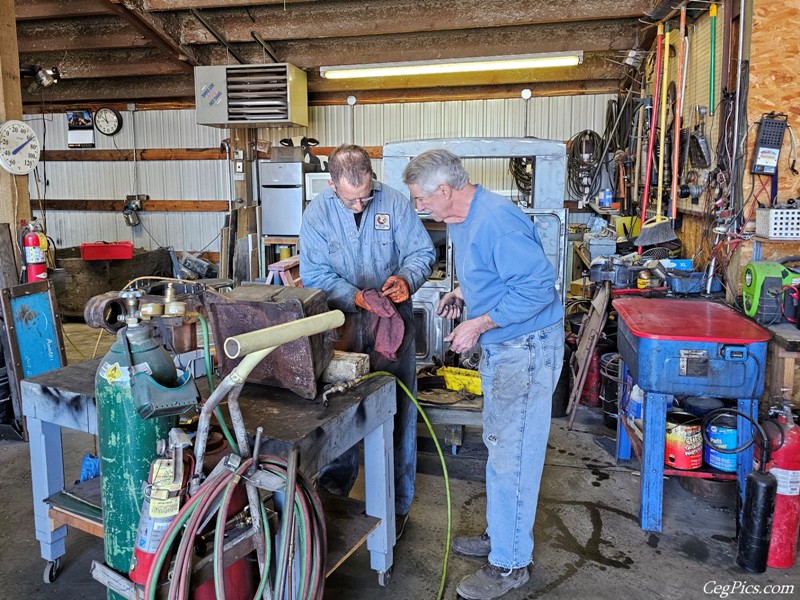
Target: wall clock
19 147
107 121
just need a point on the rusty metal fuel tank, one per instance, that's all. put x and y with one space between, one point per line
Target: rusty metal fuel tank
295 366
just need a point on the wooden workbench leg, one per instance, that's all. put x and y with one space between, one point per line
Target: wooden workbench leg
47 475
744 459
652 482
379 483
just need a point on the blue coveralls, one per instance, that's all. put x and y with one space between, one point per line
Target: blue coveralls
340 259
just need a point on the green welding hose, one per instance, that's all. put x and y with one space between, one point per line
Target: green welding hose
444 471
210 377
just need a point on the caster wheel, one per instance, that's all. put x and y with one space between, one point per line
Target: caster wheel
384 577
52 570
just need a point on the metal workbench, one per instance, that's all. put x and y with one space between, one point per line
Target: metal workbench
66 398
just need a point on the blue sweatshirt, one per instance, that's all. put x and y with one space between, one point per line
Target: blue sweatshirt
502 269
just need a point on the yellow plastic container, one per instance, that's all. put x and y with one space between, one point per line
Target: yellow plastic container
461 379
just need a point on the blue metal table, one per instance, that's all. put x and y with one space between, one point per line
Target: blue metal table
687 347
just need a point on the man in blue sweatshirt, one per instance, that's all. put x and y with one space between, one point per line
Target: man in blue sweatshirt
515 313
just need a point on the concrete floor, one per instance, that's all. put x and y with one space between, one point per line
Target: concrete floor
588 542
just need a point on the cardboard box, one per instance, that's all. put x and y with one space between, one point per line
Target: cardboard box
576 288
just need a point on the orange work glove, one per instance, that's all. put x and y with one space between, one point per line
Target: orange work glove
396 289
360 302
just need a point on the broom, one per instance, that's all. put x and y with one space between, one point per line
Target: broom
658 229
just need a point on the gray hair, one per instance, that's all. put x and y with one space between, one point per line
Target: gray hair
350 163
434 167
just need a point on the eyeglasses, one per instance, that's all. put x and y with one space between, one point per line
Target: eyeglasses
354 201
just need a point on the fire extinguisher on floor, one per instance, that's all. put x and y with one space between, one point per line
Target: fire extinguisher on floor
785 466
34 249
164 492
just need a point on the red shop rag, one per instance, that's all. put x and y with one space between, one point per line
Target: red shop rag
387 326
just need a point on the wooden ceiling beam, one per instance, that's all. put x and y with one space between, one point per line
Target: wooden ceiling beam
96 64
75 91
155 28
479 92
615 35
91 33
156 5
159 87
358 18
28 10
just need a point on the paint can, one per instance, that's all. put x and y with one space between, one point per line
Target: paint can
722 433
684 441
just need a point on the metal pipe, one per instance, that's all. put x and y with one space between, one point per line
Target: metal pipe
736 179
253 498
276 335
217 35
287 523
235 378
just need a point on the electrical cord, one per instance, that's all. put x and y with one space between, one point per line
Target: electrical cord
444 472
581 165
518 167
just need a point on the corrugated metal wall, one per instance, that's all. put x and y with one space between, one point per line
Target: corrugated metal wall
370 125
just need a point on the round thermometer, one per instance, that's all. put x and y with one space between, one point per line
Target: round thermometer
19 147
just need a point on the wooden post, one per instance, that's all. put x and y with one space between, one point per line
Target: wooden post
14 197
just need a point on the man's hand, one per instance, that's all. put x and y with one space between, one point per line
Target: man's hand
360 302
451 305
466 334
396 289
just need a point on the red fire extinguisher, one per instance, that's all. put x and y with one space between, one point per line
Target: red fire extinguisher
785 466
34 245
163 494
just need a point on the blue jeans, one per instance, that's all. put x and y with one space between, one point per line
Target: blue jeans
339 476
518 377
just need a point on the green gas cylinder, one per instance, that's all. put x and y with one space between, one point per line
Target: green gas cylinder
127 442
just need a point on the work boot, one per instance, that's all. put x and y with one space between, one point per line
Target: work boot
400 525
491 582
473 546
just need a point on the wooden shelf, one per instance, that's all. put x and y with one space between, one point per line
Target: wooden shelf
347 524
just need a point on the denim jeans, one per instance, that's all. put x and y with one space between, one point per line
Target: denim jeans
340 476
518 377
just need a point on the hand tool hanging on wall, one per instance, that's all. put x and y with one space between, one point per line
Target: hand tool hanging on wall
676 132
658 229
712 76
653 116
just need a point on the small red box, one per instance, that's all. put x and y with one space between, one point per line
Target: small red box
107 251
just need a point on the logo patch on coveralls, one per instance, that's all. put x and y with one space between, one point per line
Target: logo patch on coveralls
382 221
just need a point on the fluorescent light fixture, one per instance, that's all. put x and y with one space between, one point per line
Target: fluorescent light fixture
455 65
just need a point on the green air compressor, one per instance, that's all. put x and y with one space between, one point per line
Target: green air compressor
763 289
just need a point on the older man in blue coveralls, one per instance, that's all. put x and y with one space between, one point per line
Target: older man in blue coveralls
515 312
360 235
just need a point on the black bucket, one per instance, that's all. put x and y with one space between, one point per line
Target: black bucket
609 392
